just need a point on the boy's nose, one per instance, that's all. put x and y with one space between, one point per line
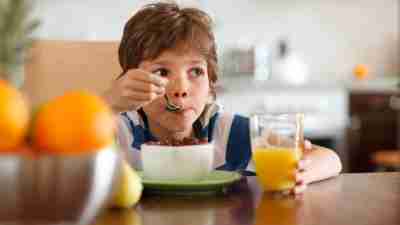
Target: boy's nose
178 94
180 88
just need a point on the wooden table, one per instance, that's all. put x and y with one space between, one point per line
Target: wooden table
372 199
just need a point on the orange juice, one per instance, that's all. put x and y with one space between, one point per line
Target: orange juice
275 167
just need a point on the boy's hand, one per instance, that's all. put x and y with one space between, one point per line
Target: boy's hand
301 171
300 177
135 89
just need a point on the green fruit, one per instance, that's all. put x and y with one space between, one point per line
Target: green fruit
129 188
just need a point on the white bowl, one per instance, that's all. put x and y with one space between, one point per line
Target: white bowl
189 162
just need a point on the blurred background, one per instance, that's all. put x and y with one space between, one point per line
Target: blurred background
336 61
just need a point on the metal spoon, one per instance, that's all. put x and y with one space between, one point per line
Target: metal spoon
171 106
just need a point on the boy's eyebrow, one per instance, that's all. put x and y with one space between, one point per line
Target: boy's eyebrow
168 62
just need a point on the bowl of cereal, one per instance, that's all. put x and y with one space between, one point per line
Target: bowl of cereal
189 159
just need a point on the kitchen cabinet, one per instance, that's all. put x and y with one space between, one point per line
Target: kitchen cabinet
374 127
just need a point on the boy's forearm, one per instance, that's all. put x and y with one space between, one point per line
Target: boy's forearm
324 163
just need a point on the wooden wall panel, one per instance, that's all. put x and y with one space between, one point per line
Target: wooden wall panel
59 66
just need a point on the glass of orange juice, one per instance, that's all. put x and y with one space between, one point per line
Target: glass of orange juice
277 141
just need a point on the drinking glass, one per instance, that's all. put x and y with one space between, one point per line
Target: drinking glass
277 143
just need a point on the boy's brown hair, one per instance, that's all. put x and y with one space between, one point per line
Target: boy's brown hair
162 26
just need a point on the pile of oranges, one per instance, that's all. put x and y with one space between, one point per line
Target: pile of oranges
74 123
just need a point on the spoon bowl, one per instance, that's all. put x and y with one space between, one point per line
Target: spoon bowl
171 106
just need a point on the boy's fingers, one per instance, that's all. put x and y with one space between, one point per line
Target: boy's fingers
148 77
143 86
307 145
299 177
298 189
134 104
303 164
138 96
158 80
300 165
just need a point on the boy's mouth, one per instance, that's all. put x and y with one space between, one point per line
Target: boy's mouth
183 111
170 106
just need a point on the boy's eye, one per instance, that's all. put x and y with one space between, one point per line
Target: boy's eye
196 72
161 72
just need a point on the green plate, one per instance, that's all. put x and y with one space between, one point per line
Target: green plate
217 182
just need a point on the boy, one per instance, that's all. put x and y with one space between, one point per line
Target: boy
169 51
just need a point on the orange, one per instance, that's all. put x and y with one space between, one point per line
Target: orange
76 122
22 150
14 117
361 71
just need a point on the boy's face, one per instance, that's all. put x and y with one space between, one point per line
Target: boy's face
188 87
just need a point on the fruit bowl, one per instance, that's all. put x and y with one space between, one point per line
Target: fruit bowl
57 189
188 162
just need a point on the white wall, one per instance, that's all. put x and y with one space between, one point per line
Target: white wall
332 35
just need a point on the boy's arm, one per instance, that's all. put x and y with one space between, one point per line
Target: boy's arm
323 163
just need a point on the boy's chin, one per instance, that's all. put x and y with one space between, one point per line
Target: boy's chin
178 127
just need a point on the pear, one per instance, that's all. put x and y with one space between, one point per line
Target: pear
128 189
